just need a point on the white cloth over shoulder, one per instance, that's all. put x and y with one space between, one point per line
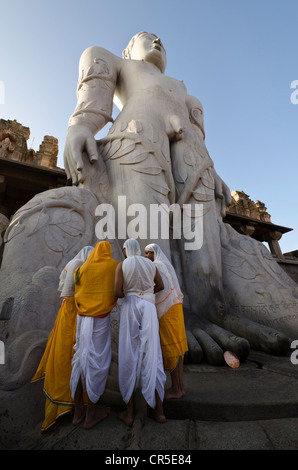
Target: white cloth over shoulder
66 280
92 357
140 357
138 275
171 294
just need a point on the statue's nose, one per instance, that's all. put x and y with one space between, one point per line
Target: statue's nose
157 41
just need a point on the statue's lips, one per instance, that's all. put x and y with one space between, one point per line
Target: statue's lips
157 46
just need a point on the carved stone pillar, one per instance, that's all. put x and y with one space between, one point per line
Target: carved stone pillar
247 229
272 239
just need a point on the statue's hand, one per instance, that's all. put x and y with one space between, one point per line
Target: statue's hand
222 193
79 139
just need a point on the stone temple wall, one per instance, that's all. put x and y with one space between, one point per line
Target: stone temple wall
13 146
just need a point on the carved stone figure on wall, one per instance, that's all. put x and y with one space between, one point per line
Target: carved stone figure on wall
236 295
6 147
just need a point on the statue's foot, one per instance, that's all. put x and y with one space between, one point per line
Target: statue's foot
260 337
210 340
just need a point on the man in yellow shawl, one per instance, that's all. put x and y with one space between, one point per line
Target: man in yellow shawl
94 298
172 333
55 364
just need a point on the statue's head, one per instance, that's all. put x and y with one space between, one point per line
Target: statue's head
148 47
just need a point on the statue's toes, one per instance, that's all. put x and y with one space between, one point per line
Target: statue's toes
195 351
211 350
260 337
210 342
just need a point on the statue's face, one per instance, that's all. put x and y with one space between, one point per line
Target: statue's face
149 48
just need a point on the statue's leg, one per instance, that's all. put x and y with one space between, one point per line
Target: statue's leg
200 275
139 189
236 289
209 316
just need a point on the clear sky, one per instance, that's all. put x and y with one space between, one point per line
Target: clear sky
239 57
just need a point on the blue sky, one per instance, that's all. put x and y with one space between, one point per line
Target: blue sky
239 57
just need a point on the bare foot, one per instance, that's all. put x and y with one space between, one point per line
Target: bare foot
158 417
173 393
126 417
79 414
95 416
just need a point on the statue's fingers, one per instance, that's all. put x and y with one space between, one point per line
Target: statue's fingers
227 194
218 188
91 148
223 210
75 163
77 158
70 168
66 166
74 176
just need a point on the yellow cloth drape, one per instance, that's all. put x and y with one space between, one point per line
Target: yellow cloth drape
172 334
95 296
55 364
94 288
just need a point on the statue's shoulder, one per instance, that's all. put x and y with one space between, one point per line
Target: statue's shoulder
97 54
192 102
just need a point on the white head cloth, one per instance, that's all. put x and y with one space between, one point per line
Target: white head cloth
137 272
132 247
66 280
171 294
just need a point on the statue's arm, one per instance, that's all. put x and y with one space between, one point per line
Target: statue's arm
98 71
196 116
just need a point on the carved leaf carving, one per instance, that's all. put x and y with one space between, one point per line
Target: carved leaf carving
162 189
189 157
202 197
13 230
136 157
125 149
54 241
243 269
149 170
37 221
116 144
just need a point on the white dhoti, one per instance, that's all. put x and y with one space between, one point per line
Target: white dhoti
92 357
140 357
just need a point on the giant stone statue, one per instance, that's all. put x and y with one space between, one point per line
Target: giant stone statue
236 296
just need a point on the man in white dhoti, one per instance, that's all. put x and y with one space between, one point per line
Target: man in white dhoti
140 357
